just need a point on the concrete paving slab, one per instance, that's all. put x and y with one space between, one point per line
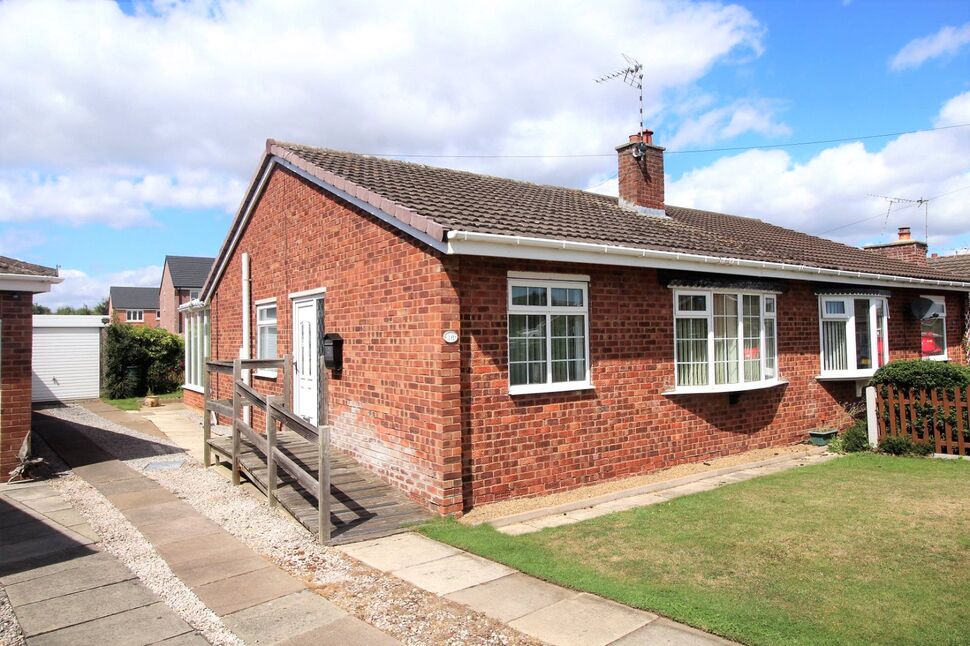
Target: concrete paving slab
278 619
552 521
452 573
103 472
511 597
47 504
94 559
86 531
232 594
163 531
517 529
44 548
126 485
92 573
66 517
398 551
144 498
203 571
583 620
26 531
185 639
170 510
348 631
588 514
28 493
663 632
70 609
134 627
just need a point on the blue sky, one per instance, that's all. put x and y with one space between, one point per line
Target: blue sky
131 130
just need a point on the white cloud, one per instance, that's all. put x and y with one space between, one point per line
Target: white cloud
79 288
15 241
729 121
946 42
86 90
832 188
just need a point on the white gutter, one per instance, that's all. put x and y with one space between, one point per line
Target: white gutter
490 244
28 283
245 350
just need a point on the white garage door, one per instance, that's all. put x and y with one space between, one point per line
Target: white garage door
67 358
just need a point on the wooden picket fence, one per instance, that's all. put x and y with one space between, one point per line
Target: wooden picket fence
940 417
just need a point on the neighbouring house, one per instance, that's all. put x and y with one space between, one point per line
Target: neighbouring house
134 305
19 281
182 278
506 339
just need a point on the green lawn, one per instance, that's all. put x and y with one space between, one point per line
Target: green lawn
866 549
134 403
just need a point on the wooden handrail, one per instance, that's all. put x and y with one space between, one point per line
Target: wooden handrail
246 392
295 423
223 366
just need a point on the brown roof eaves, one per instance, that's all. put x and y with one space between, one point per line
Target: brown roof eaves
12 266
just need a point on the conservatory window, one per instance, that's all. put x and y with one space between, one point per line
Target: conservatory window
196 347
853 334
724 339
548 335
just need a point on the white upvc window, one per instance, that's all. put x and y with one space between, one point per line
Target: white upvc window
266 331
854 335
548 335
135 316
196 347
724 340
933 330
193 294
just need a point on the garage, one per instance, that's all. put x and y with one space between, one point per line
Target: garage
67 357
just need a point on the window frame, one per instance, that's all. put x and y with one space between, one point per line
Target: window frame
548 311
853 372
708 314
941 301
196 348
129 318
263 305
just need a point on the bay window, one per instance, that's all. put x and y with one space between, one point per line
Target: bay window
548 335
724 340
933 330
853 332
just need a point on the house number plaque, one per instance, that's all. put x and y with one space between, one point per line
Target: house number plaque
450 336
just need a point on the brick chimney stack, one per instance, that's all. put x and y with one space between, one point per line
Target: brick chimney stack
903 248
641 174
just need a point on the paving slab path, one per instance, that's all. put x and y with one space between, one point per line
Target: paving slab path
257 600
63 589
548 612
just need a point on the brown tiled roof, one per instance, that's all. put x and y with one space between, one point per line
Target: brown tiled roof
957 264
14 266
462 201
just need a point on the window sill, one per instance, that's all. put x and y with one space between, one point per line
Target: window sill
538 389
848 375
937 357
265 373
725 388
193 389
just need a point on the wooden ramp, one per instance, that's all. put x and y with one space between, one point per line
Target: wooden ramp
362 505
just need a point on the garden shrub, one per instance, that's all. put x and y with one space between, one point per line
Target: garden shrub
902 445
139 359
856 438
920 374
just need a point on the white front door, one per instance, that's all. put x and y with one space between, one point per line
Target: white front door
305 359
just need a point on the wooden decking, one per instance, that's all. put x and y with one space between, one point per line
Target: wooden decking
362 505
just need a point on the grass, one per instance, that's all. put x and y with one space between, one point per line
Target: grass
134 403
866 549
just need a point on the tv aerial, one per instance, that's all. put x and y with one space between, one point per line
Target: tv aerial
632 75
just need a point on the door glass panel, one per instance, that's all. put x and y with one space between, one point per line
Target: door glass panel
863 335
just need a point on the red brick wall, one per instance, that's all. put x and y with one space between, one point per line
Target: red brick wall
913 251
641 181
16 340
192 399
533 444
119 316
396 407
168 315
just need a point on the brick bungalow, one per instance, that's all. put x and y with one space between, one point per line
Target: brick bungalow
134 305
182 279
959 265
19 281
507 339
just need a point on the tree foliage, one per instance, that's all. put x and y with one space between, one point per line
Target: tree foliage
919 374
139 360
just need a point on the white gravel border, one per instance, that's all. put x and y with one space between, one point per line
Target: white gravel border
10 632
401 610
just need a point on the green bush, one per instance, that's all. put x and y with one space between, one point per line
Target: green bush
139 359
856 438
902 445
920 374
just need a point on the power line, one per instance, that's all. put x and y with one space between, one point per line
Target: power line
672 152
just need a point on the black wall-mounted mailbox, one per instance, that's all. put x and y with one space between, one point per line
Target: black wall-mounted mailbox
333 352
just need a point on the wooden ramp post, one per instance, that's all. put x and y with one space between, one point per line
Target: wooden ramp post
236 414
271 449
323 451
206 415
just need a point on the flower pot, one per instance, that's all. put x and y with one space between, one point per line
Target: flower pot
151 401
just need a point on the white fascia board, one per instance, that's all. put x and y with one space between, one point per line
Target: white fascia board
24 283
499 246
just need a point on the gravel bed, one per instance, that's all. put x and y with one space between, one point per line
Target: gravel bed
119 538
487 513
10 632
392 605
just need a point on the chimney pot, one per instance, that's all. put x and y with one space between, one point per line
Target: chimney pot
904 233
646 137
